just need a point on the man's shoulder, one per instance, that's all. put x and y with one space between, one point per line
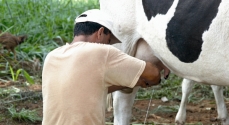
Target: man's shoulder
97 47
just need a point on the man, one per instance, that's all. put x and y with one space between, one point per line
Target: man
77 77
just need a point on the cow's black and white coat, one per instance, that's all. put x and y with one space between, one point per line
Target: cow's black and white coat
190 37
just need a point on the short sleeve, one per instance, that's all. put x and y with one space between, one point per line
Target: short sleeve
122 69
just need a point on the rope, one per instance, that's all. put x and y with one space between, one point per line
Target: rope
147 112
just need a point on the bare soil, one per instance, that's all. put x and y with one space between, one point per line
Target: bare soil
203 112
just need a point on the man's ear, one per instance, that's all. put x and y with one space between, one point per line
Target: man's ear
100 32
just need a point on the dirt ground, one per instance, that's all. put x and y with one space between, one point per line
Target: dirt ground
203 112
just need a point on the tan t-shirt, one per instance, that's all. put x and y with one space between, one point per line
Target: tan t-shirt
76 78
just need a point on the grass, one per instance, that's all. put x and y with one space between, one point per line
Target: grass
16 103
45 22
167 109
42 21
6 92
24 115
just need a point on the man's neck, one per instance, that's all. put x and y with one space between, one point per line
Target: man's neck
80 38
83 38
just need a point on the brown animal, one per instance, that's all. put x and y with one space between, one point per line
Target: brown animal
10 41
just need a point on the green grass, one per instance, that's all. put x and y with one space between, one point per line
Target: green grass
24 115
4 92
167 109
44 22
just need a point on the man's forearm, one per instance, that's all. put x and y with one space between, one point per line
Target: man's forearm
114 88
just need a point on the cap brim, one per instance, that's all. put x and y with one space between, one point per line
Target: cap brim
114 39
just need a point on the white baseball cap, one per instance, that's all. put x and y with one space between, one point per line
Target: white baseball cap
98 16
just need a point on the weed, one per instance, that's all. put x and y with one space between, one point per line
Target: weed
4 92
166 109
24 115
26 75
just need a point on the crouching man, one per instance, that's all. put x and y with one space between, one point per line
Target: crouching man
76 77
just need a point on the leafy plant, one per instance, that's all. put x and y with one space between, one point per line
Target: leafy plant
24 115
26 75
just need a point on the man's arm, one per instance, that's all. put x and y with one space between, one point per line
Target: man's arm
150 76
114 88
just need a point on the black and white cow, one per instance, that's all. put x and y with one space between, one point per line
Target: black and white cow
190 37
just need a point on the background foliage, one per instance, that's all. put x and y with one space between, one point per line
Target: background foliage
47 23
42 21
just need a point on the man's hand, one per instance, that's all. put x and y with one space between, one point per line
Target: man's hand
144 84
150 76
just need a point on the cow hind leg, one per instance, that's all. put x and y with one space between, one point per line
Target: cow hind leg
123 103
218 93
221 106
187 86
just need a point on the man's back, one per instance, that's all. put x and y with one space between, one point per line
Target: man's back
75 80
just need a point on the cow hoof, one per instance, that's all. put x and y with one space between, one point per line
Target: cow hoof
180 123
127 90
224 121
214 119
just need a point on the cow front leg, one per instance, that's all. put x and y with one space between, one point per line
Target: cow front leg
187 86
122 104
221 107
